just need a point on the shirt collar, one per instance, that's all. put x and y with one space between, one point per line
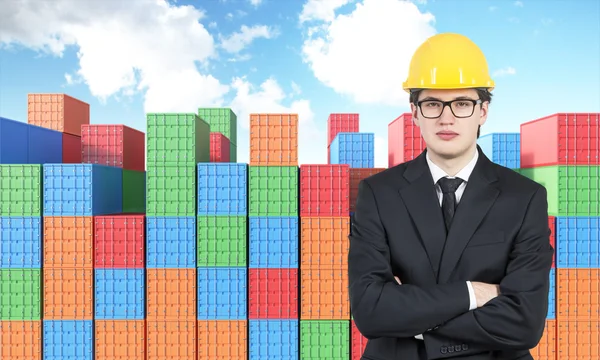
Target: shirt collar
437 173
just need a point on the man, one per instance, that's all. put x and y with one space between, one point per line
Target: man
449 253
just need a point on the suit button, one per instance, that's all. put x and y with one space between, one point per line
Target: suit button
465 346
457 348
443 349
450 349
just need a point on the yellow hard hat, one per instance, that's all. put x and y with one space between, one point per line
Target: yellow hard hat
448 61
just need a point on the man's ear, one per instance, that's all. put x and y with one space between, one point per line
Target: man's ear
415 114
483 113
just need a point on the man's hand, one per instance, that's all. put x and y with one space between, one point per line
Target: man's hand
485 292
398 280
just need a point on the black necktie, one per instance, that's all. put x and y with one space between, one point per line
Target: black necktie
449 187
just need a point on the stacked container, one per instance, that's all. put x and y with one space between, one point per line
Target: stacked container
176 143
273 237
224 122
502 148
220 148
562 152
340 123
404 140
325 224
354 149
222 261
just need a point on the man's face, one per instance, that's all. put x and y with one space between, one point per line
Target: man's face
449 136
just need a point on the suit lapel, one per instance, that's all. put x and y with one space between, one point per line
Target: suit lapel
478 197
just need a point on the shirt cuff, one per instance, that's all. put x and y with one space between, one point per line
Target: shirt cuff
472 298
419 337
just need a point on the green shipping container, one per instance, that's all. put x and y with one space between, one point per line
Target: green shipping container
134 191
171 191
21 190
222 120
222 241
177 140
273 191
572 190
20 294
232 153
325 339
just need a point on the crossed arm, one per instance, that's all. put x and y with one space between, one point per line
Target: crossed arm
382 308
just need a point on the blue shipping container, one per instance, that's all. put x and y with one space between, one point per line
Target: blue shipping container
552 295
577 242
502 148
171 242
273 339
222 189
21 242
222 293
273 242
14 142
68 340
120 294
354 149
82 190
45 146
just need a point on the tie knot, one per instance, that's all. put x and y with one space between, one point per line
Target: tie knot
449 185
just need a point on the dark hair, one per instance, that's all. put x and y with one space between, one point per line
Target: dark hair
483 94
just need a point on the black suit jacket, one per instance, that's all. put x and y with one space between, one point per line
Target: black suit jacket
499 235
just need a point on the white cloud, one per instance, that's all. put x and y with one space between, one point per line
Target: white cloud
255 2
381 152
493 8
366 53
518 3
236 42
509 70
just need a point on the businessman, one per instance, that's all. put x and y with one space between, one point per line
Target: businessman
449 253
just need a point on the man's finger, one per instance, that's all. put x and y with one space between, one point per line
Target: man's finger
398 280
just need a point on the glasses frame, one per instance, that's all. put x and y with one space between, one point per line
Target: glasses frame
448 103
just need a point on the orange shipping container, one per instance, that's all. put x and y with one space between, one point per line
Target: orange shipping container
173 340
324 242
21 340
324 294
171 294
577 294
222 340
356 175
546 348
274 139
58 112
68 242
120 340
68 294
578 339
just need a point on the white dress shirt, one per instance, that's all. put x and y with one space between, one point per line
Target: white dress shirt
437 173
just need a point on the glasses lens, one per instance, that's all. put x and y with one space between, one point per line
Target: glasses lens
431 108
462 108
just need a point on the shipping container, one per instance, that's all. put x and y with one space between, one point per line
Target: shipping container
274 139
553 243
552 296
561 139
273 191
58 112
222 189
171 242
356 176
358 342
119 294
502 148
546 347
273 293
324 340
21 340
170 294
324 190
233 153
14 142
578 339
404 140
68 242
177 140
71 149
273 339
577 294
572 190
219 148
119 241
68 293
273 241
578 242
324 294
222 340
113 145
45 146
354 149
222 293
20 294
68 340
222 120
120 340
324 242
171 191
82 190
171 339
222 241
337 123
21 242
134 191
20 190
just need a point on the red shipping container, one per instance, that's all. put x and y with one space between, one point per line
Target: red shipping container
325 190
273 293
552 225
113 145
119 241
358 341
219 148
58 112
356 175
561 139
71 149
337 123
404 140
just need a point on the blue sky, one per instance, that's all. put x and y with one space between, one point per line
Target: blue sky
304 56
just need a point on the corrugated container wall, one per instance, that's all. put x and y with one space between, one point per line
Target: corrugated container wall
404 140
58 112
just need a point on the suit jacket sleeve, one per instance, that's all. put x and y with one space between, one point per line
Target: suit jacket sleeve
514 320
381 307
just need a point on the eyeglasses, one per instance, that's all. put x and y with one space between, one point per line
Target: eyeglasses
461 108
